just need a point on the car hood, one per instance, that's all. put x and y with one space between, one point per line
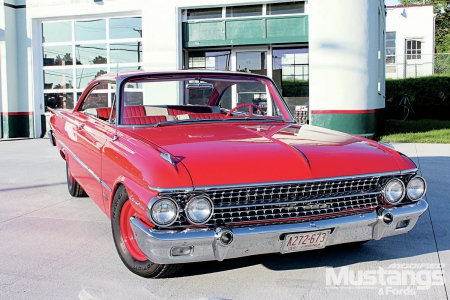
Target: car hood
229 154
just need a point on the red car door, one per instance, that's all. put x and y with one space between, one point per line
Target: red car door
92 135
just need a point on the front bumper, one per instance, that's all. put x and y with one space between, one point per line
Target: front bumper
205 243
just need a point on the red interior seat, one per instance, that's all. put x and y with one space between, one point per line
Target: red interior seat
141 120
209 116
133 111
103 113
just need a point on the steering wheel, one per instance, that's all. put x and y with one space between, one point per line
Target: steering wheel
250 105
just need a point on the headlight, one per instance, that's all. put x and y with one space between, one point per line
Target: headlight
163 211
394 191
416 188
199 209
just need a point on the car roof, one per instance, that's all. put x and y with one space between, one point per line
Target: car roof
124 75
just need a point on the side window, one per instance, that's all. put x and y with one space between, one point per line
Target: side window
99 100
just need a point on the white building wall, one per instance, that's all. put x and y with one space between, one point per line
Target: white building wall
411 22
344 43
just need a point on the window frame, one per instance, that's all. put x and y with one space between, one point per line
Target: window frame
415 51
393 56
76 70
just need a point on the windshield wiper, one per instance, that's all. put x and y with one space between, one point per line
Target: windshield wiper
253 118
185 121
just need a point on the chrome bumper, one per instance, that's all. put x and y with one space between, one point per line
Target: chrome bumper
205 243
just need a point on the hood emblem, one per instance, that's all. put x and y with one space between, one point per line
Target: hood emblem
168 158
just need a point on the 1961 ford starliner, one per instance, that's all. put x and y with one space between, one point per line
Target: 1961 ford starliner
194 166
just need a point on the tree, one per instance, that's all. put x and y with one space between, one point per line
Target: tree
442 32
67 59
99 60
99 73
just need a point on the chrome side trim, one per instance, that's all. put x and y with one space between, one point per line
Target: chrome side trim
171 190
415 170
83 165
296 202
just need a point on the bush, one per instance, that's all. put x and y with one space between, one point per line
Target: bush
297 88
429 97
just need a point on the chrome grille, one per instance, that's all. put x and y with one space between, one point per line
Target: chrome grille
304 209
292 192
289 202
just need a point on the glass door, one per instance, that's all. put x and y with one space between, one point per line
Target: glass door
253 60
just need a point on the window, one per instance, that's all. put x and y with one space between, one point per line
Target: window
413 49
77 51
284 8
206 60
390 47
244 11
291 75
204 13
98 97
296 7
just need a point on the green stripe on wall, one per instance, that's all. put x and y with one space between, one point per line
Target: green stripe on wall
359 124
15 126
246 31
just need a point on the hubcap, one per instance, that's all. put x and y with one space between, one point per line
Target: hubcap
127 233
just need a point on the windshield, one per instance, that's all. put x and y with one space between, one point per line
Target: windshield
181 99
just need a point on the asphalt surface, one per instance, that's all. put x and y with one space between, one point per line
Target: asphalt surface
53 246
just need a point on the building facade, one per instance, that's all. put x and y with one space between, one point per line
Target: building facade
329 54
410 41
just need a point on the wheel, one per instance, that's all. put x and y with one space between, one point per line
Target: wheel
75 189
127 247
250 105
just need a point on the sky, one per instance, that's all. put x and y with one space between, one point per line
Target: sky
391 2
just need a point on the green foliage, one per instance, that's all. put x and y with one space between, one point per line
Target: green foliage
442 64
99 60
295 88
429 97
418 131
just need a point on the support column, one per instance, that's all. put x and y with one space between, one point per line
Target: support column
346 49
17 116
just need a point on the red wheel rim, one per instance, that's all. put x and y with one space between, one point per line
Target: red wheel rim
127 233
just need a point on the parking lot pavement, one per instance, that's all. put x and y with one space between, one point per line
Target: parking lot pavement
54 246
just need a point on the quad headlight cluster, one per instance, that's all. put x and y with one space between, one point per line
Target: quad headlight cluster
164 211
394 191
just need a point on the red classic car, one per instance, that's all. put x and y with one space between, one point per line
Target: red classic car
200 165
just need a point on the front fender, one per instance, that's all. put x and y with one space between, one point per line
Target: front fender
138 195
141 169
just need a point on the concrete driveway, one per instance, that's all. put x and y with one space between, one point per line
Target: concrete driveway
53 246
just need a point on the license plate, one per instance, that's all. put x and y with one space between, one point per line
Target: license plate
305 241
